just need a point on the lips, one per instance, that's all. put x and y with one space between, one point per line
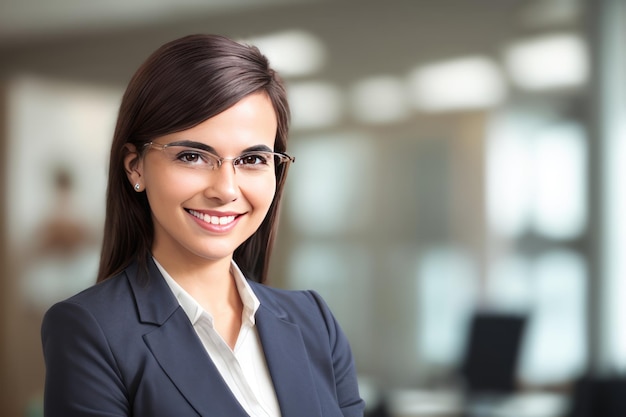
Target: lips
214 220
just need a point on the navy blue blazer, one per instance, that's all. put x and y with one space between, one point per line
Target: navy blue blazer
125 347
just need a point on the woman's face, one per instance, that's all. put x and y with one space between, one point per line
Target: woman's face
201 213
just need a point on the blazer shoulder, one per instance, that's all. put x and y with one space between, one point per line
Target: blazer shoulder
302 307
100 294
281 299
105 303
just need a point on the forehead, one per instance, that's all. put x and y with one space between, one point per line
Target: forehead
249 122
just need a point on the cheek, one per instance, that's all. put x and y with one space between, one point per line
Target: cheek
162 187
261 194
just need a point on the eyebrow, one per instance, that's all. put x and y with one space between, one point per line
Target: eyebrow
210 149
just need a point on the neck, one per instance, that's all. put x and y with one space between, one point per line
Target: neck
209 283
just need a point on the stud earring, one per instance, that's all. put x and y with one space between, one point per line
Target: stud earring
137 186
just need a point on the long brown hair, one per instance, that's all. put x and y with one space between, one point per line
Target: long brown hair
182 84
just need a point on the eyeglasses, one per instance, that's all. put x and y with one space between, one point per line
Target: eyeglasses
196 155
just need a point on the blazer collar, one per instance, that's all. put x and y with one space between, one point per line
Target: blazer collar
155 301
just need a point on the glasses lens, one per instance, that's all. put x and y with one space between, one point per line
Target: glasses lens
191 157
254 161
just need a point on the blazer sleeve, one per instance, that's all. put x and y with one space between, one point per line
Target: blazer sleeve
82 378
346 383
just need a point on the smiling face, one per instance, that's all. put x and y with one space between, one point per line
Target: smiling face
201 214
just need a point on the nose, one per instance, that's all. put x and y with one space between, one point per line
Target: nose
223 183
230 161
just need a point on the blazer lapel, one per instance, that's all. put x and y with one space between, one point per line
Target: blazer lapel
179 351
288 364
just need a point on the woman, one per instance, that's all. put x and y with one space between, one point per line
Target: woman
180 323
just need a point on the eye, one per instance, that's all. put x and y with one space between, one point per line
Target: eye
254 159
188 156
194 157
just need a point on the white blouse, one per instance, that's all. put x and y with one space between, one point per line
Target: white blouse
243 368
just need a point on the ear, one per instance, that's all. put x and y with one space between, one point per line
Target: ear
133 165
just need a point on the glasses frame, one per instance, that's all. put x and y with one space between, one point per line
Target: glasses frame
280 158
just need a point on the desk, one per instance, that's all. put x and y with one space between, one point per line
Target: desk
450 403
425 403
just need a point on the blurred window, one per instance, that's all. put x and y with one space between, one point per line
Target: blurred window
537 205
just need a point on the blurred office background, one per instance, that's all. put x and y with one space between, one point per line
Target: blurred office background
456 159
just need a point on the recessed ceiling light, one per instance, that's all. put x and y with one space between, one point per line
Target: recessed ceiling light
548 62
463 83
292 53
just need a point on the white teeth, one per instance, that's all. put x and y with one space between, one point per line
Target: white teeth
213 219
